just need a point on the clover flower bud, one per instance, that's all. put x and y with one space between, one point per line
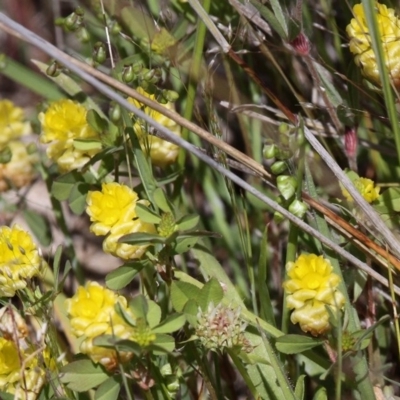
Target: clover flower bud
301 44
167 225
286 185
142 333
221 328
278 167
269 151
298 208
99 52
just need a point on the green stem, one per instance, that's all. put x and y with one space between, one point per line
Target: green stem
293 238
194 76
61 223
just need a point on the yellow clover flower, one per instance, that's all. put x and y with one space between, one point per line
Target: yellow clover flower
360 42
29 387
19 171
124 250
9 361
311 285
161 152
113 211
24 384
62 123
367 189
92 312
114 205
12 122
19 260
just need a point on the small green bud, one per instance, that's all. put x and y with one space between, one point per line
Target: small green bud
269 151
298 208
115 28
54 69
137 68
80 11
83 35
167 225
174 386
146 86
74 21
170 95
284 128
278 167
115 113
99 52
155 76
283 154
128 75
287 186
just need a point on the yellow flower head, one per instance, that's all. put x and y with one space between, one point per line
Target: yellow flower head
124 250
92 312
24 384
62 123
12 122
162 153
360 42
312 317
367 189
19 171
114 205
28 388
9 360
19 260
310 286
